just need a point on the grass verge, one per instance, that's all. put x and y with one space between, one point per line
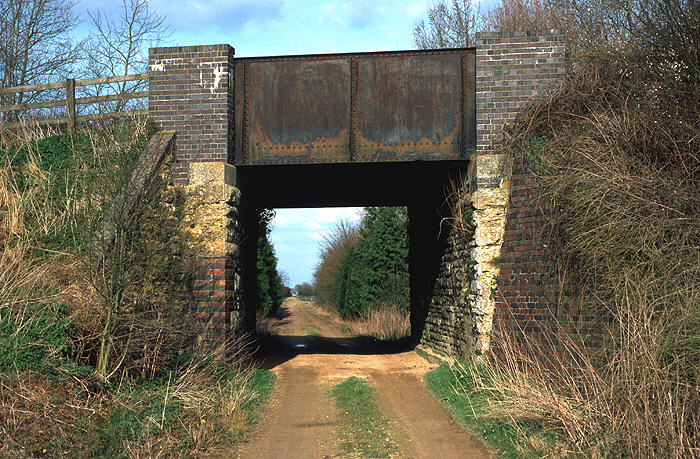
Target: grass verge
155 396
363 426
459 388
181 413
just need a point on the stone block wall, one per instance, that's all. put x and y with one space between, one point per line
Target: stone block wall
191 93
511 69
448 325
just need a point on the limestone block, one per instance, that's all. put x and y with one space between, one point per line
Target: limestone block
211 212
212 192
485 254
490 226
206 172
490 197
484 305
488 165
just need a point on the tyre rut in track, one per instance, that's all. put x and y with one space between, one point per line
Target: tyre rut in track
299 420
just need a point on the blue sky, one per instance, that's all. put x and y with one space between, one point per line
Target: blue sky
297 233
272 27
277 27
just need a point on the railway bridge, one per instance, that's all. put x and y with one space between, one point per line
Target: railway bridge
381 129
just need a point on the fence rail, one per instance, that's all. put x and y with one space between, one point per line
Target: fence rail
70 102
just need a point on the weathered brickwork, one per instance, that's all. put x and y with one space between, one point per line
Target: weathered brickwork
530 301
512 68
189 93
213 300
213 221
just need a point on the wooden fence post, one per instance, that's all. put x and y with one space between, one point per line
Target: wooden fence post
70 103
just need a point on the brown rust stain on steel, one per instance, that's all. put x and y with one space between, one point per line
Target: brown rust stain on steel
322 149
299 111
409 107
399 106
424 148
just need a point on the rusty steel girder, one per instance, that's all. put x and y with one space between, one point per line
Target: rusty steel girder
368 107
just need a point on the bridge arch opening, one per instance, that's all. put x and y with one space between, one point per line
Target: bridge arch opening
422 187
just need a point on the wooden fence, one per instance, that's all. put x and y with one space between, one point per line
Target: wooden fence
70 102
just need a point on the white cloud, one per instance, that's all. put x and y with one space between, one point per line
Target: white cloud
355 13
221 14
417 8
316 236
296 234
311 225
336 214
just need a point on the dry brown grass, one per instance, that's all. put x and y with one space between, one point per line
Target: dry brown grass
618 173
384 323
73 416
458 204
265 324
199 404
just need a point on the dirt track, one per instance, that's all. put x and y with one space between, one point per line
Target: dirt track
299 420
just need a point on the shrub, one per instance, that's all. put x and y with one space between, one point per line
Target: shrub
270 289
334 248
129 309
379 259
305 289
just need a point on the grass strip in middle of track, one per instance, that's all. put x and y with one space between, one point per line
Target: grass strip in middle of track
363 426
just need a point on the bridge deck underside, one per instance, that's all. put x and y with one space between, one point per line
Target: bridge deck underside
421 186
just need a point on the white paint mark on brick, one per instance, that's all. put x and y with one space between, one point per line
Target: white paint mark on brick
218 71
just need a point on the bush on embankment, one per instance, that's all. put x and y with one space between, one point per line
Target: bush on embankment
614 153
375 269
61 308
333 249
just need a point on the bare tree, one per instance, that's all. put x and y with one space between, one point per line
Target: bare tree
35 45
512 15
120 47
448 26
284 277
